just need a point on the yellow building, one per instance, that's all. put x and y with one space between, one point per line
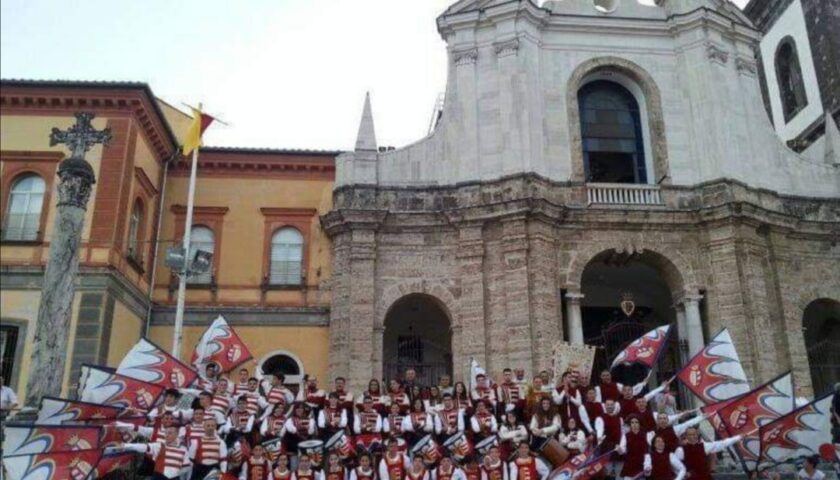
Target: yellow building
256 210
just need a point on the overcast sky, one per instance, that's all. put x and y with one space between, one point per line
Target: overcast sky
283 73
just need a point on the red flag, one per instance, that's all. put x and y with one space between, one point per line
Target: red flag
747 413
569 467
801 433
52 466
105 386
111 436
29 439
55 411
594 468
150 363
222 346
715 374
645 349
112 462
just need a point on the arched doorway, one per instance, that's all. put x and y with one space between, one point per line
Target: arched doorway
417 335
648 280
821 324
281 361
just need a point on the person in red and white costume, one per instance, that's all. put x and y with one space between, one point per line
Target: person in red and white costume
170 404
671 433
277 391
397 396
694 453
434 400
510 393
155 433
493 468
393 423
607 389
374 391
417 471
300 426
365 470
241 385
240 420
608 427
483 423
208 452
447 470
567 396
367 425
305 470
461 398
251 394
634 447
221 402
274 425
573 437
334 470
512 432
281 469
418 423
525 466
331 418
311 394
471 468
345 397
205 400
171 459
545 423
195 428
661 464
207 382
257 467
450 420
589 411
238 454
482 390
394 464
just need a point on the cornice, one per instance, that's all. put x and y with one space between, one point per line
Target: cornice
256 164
288 212
199 210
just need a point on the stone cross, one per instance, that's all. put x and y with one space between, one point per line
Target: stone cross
76 177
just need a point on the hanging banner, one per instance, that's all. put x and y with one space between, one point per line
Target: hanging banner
567 357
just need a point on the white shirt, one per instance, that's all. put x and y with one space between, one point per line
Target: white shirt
7 398
457 474
818 475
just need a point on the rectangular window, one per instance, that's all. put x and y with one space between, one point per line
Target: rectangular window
8 343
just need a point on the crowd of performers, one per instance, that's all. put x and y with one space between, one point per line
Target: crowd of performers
506 430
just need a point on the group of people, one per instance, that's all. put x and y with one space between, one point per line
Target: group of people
509 430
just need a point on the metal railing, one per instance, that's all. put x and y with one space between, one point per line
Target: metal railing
622 194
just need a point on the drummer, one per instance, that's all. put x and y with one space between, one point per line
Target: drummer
483 423
511 434
394 463
332 418
510 394
483 391
492 467
374 391
398 396
447 470
367 426
544 424
364 471
418 423
393 423
305 470
525 466
417 471
311 394
299 427
450 420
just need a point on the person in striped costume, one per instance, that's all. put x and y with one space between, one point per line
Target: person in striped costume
483 423
493 468
156 433
367 426
170 458
170 404
277 391
274 425
241 386
393 423
195 428
394 463
331 418
510 394
240 421
256 402
305 471
208 452
525 466
257 467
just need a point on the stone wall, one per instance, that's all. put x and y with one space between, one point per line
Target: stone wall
499 255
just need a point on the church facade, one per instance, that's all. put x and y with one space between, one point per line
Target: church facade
588 154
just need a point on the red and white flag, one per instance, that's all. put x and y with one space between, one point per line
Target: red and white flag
594 468
645 350
569 467
29 439
52 466
801 433
150 363
112 462
715 374
106 386
55 411
746 414
222 346
111 436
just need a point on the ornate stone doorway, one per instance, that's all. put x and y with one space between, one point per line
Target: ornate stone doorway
417 335
821 323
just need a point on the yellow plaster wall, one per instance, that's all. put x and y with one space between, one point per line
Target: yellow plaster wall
145 159
178 120
309 344
125 331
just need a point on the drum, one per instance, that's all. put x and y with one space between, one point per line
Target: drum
428 449
459 446
483 447
341 445
273 449
313 448
555 453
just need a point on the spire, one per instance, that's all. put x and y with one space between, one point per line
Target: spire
832 141
366 140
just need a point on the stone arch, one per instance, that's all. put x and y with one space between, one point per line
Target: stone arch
797 344
653 102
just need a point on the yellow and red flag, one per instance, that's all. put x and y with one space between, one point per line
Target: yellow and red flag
193 138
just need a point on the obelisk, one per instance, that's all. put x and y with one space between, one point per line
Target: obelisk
76 177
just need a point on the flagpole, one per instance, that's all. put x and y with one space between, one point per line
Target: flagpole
178 334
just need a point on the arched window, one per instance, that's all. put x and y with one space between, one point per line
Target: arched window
611 134
286 257
789 77
202 238
135 230
23 215
281 361
821 324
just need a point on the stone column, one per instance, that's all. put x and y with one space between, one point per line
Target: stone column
520 341
682 330
694 325
468 331
544 292
362 359
574 317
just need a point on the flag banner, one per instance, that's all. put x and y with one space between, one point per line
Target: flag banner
220 345
800 433
712 416
715 374
200 122
112 462
594 467
150 363
110 436
52 466
746 414
106 386
567 357
55 411
29 439
569 468
645 350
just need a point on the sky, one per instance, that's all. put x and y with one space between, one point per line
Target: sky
281 73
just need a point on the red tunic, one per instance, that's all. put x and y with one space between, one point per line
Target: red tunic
441 475
696 461
258 471
526 468
594 410
337 474
661 465
364 475
609 391
647 420
416 476
494 472
628 407
396 467
670 436
634 458
310 475
612 430
474 474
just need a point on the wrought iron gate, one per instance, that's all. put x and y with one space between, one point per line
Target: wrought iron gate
415 352
824 359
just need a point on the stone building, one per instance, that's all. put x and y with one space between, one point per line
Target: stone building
588 152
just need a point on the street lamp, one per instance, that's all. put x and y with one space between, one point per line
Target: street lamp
199 264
